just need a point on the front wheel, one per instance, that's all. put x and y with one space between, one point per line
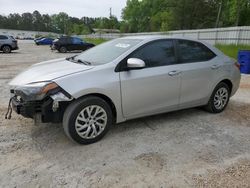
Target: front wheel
63 49
219 98
87 120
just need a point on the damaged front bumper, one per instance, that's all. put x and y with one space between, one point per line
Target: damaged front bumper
49 109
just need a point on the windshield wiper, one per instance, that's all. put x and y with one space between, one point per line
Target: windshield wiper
72 59
83 62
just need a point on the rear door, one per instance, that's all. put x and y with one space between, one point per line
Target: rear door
155 88
69 43
77 44
199 68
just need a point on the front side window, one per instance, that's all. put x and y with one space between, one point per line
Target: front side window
158 53
190 51
65 40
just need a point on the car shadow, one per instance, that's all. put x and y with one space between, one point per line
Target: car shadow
53 133
13 52
48 136
70 52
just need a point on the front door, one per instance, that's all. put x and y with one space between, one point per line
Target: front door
156 88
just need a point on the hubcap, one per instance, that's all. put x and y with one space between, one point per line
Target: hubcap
221 98
91 122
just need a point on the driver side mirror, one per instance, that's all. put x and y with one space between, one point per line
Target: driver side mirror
135 63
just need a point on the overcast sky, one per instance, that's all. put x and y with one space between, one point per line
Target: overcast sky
76 8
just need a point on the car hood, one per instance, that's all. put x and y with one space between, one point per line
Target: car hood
47 71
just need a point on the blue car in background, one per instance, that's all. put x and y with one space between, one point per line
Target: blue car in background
44 41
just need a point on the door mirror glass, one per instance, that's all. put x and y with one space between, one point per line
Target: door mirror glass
135 63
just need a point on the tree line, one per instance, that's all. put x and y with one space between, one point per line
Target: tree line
141 16
164 15
58 23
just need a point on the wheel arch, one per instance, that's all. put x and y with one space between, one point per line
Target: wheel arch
106 99
221 80
228 82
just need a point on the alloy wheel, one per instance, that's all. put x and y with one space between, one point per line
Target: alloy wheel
221 98
91 122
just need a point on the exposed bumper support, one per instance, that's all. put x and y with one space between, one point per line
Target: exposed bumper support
50 109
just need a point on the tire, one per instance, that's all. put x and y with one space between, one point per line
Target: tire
6 49
219 98
79 126
63 49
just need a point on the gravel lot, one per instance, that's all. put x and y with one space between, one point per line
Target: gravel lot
189 148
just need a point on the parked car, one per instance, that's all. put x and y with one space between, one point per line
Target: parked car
64 44
8 43
37 39
44 41
124 79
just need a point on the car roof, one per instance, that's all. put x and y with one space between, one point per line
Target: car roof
148 38
155 37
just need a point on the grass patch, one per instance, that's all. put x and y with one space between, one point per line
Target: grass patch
95 41
232 50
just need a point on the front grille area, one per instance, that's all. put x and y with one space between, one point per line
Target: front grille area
26 108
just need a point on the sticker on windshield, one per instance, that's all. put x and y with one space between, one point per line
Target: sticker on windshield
122 45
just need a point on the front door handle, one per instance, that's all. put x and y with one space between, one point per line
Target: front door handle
215 66
174 73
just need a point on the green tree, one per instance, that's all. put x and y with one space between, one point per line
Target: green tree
61 22
163 15
26 21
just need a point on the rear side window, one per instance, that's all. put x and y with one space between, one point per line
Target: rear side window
158 53
3 37
76 41
190 51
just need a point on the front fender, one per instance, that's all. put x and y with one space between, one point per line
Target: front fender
102 81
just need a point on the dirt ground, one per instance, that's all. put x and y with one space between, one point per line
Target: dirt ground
189 148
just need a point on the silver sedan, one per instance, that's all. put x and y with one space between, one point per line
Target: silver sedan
124 79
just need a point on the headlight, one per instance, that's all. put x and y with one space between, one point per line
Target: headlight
36 90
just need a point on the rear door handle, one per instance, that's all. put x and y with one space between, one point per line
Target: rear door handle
215 66
174 73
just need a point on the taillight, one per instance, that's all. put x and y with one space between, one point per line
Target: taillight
237 65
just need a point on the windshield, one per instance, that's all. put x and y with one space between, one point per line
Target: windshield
107 51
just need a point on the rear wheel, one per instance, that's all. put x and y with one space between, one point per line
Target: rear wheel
87 120
63 49
219 98
6 49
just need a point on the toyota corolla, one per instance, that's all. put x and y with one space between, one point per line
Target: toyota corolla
124 79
